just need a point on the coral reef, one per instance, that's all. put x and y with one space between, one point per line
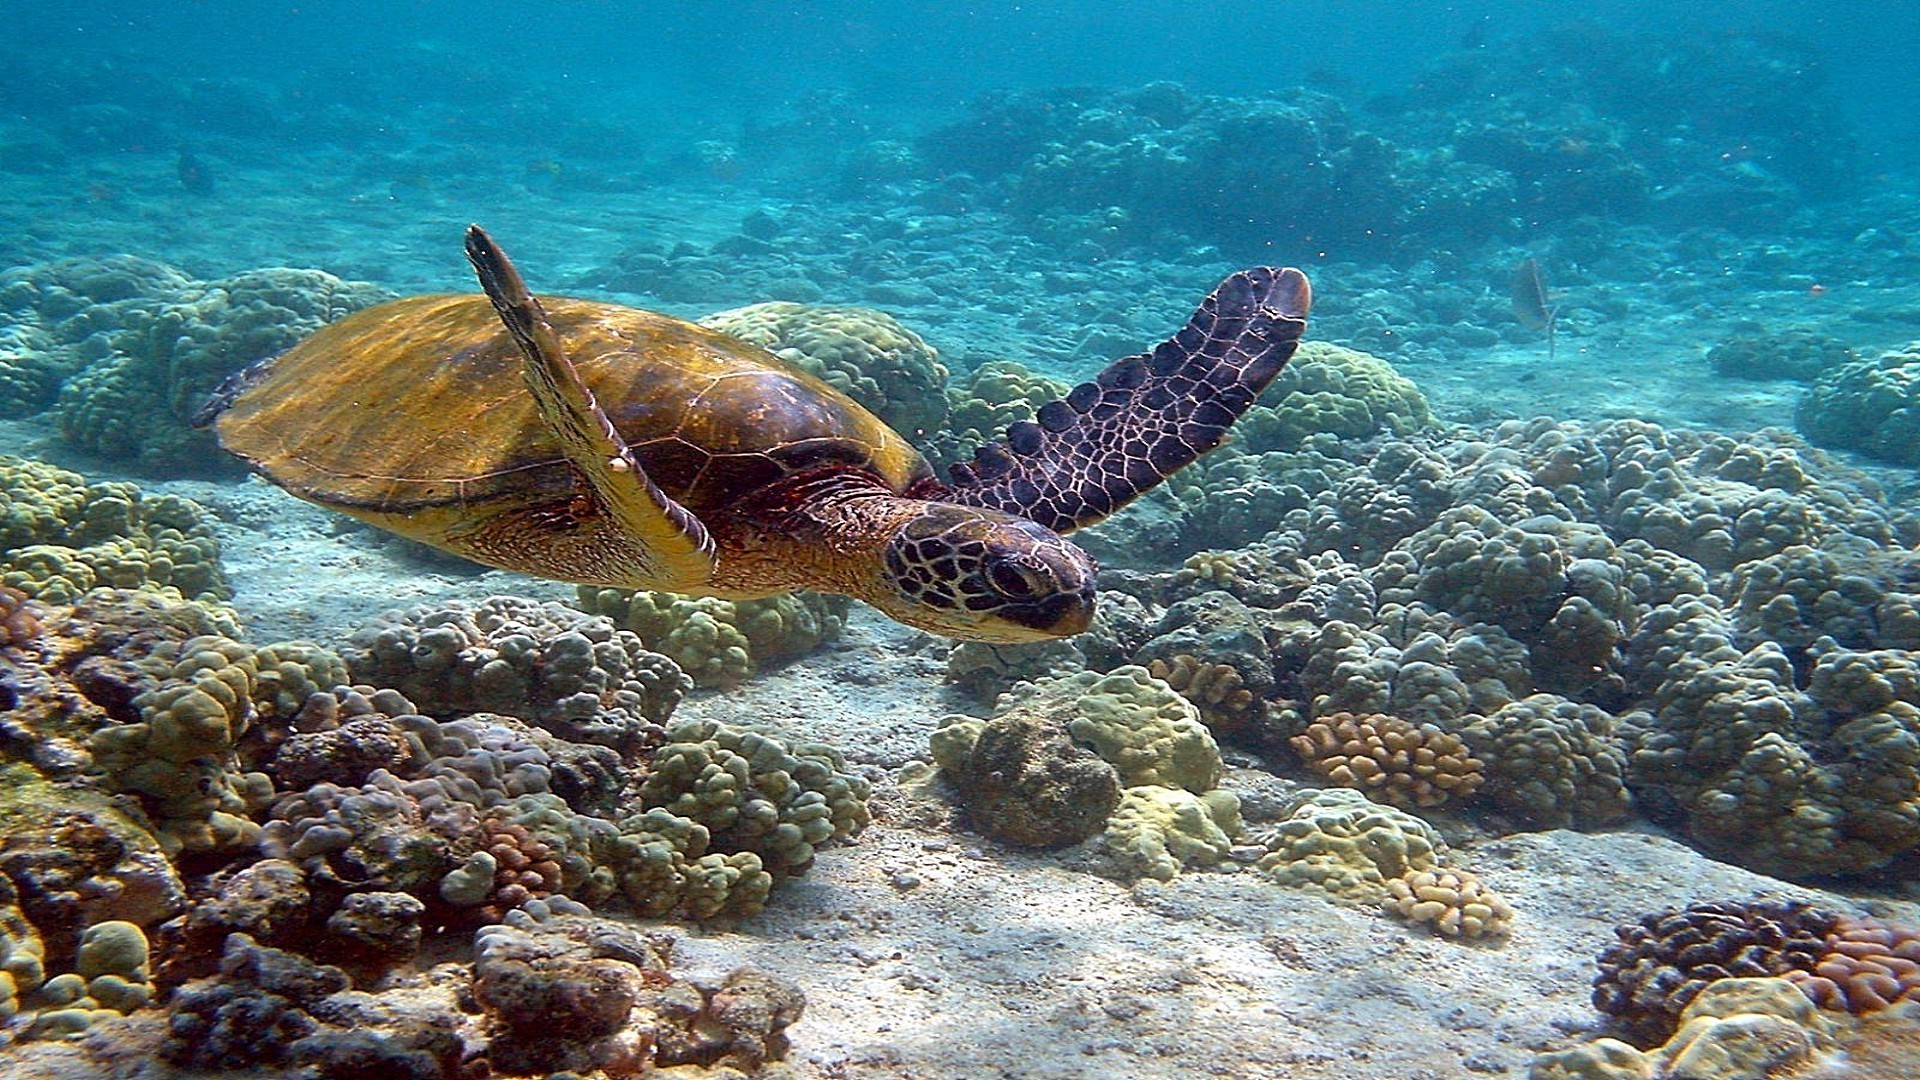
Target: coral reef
61 536
1660 964
1871 405
864 353
1158 830
1328 389
1397 762
1348 846
1751 352
1734 1029
125 350
575 674
723 642
1455 903
1024 780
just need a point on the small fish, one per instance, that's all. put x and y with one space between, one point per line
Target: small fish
1531 304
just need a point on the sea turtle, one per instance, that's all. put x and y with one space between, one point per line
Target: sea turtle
604 445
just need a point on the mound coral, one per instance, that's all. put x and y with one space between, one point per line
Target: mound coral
1870 405
1328 389
61 536
575 674
136 347
722 642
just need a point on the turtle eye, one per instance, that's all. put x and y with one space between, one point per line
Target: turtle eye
1013 581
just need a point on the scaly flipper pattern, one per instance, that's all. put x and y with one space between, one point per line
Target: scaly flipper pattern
1145 417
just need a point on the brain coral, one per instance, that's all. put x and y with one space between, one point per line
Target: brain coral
1869 405
138 346
864 353
61 536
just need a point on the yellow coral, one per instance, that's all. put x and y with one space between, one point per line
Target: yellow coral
1453 902
1391 759
722 642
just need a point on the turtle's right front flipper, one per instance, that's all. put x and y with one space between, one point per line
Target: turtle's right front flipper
670 548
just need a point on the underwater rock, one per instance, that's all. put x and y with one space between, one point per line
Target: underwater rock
1024 780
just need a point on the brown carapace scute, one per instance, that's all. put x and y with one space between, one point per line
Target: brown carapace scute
609 446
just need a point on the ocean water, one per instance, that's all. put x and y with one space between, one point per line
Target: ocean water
1595 477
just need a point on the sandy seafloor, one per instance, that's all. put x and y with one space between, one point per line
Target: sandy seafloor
926 951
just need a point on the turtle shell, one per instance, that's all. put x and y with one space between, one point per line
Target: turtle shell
415 414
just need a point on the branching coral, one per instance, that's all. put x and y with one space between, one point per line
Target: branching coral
1454 903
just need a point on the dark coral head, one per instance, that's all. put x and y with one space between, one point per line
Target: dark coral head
981 575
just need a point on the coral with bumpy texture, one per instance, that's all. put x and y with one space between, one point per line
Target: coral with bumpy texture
1556 763
723 642
1789 781
1661 963
574 674
1392 760
755 794
863 353
1348 846
1868 405
1024 780
181 756
1734 1029
1791 353
61 536
1138 723
1454 903
1330 389
983 403
164 353
1157 830
1868 966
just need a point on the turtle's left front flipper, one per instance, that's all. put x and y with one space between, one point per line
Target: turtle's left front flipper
667 546
1146 416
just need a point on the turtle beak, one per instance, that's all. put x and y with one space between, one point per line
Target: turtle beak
1063 614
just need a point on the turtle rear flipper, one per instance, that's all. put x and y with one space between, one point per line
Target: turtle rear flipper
1146 416
665 545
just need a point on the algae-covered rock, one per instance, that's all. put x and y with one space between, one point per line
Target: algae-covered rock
1024 780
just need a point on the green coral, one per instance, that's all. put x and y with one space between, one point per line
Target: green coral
1157 830
753 793
1340 391
1870 405
722 642
61 536
181 759
866 354
165 352
1346 845
1138 723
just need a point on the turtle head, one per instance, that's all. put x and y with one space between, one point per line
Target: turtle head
983 575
